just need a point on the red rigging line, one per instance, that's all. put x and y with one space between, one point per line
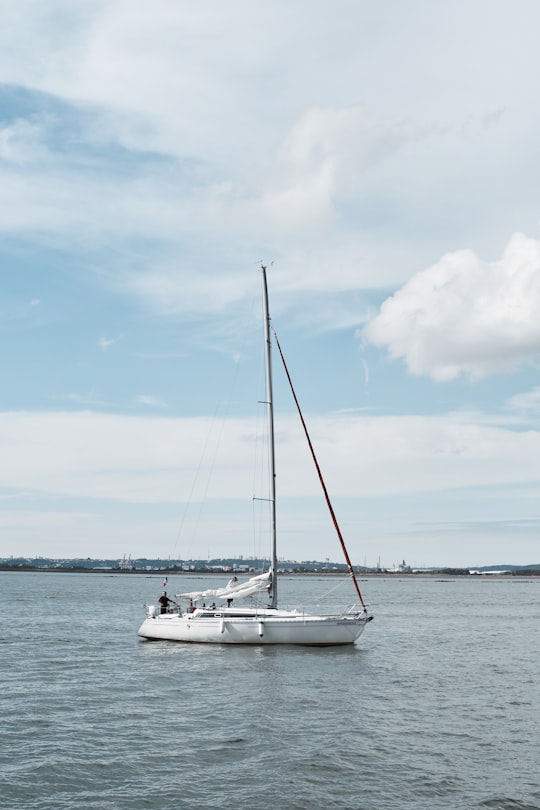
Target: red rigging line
323 485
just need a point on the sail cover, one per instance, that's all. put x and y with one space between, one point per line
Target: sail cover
237 591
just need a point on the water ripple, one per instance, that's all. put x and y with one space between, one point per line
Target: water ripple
435 707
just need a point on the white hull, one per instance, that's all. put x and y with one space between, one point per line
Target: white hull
254 625
266 626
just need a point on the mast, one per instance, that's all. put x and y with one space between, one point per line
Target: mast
271 440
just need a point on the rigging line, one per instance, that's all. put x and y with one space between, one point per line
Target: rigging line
221 410
319 473
339 584
194 482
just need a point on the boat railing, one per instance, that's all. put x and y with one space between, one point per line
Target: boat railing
355 611
155 610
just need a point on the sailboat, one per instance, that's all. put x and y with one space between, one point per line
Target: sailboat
257 623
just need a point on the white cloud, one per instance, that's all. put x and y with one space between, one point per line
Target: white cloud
281 128
466 316
113 457
20 142
44 522
526 402
150 401
173 290
154 459
103 485
104 343
89 399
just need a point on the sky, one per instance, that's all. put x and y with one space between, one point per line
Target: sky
382 160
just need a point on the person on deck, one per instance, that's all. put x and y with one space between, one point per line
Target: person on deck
230 584
164 601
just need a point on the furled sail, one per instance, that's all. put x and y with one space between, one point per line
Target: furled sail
262 582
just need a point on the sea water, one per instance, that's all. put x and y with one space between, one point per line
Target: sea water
436 706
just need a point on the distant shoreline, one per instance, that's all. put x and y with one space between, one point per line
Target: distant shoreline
443 576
